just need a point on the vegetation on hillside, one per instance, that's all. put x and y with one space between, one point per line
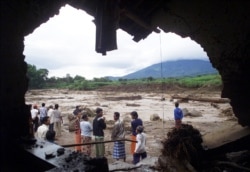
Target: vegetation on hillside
178 68
38 79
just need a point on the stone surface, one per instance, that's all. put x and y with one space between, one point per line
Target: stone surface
222 28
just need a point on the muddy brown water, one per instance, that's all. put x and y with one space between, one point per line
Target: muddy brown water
145 103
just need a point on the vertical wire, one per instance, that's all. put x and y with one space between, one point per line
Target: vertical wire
161 84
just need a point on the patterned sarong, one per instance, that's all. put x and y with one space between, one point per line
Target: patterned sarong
86 148
119 150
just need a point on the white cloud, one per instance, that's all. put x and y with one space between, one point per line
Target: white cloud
66 45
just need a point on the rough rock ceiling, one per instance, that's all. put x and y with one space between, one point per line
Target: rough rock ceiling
221 27
134 16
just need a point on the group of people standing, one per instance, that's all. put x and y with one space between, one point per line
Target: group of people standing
46 122
83 130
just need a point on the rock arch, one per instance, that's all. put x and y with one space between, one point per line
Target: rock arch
222 28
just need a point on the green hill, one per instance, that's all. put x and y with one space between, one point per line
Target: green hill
178 68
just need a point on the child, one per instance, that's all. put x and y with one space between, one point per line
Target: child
140 151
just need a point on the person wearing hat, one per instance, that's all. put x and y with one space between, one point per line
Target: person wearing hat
140 149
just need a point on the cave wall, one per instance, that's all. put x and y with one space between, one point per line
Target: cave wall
220 27
18 19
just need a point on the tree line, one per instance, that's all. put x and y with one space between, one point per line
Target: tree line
38 79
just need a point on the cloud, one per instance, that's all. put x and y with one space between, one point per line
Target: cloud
66 45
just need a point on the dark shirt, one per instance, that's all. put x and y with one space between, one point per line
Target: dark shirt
98 126
134 125
76 111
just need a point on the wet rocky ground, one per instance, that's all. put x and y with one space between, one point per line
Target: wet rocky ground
211 118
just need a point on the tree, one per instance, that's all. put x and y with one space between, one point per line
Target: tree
102 79
150 78
37 78
79 78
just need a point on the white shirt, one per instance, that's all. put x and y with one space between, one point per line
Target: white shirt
86 128
51 115
57 115
41 131
141 143
34 113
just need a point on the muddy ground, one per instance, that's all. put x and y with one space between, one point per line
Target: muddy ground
216 123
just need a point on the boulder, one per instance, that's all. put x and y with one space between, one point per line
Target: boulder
154 117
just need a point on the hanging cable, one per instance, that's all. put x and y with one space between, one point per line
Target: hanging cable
161 69
162 89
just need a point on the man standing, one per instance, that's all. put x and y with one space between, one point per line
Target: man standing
178 115
57 120
98 126
35 118
118 132
51 116
43 112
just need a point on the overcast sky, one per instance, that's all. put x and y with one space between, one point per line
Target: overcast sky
66 45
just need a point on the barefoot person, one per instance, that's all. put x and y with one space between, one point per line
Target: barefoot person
118 132
134 123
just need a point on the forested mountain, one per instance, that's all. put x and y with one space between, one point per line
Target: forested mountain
179 68
38 78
